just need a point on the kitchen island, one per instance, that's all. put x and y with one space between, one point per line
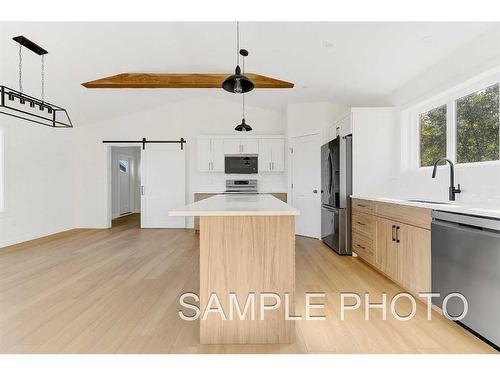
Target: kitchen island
247 247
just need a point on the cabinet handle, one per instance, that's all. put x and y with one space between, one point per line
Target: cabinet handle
361 205
397 234
393 236
360 246
360 223
272 163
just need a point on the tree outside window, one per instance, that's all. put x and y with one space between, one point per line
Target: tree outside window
432 135
478 126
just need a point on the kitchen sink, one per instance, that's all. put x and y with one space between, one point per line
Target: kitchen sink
424 201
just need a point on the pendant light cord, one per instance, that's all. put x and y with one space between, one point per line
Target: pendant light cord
20 68
243 94
43 78
237 42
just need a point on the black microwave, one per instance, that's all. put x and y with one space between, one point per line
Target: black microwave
241 164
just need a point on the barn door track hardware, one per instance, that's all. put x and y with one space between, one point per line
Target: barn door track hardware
144 141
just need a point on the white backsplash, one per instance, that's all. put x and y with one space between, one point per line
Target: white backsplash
216 182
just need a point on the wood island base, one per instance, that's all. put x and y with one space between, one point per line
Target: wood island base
247 255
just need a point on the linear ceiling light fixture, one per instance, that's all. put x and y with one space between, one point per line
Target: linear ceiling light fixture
238 83
16 103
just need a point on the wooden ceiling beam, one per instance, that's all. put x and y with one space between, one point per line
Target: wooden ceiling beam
179 80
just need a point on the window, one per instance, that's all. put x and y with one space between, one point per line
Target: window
478 126
432 125
462 125
123 166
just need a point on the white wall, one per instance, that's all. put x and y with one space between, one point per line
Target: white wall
39 181
374 159
480 182
311 118
187 119
469 60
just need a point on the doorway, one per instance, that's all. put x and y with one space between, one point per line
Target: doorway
146 183
125 182
306 182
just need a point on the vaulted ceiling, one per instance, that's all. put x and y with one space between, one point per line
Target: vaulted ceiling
348 63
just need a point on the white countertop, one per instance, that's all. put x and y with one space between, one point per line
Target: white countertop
258 192
486 209
237 205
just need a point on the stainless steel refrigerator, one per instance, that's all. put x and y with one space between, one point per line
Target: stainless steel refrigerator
336 187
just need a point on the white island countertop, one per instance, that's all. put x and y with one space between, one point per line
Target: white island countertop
484 209
237 205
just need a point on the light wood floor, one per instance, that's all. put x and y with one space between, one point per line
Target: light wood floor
116 291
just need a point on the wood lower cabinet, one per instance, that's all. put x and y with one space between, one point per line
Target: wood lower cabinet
199 197
400 248
415 259
363 235
387 252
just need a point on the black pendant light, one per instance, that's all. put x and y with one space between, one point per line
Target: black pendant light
243 127
18 104
238 83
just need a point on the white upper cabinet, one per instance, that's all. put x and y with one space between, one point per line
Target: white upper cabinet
232 146
271 155
265 154
345 126
212 149
249 146
210 155
240 146
340 128
217 155
204 155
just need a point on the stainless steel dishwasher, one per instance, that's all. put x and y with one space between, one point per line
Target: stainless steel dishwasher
466 260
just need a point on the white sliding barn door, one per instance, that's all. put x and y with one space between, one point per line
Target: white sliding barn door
163 185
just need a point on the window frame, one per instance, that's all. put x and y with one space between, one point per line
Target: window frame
455 125
449 99
417 120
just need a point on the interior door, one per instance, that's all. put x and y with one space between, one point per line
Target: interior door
306 170
124 184
163 180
